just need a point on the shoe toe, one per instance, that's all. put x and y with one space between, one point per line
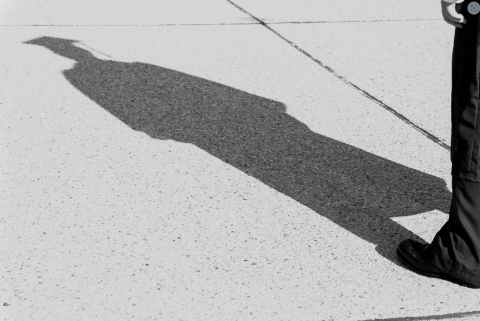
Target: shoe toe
412 253
413 249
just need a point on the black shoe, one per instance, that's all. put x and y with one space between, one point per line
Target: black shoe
411 253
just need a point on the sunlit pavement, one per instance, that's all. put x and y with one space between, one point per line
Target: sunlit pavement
223 160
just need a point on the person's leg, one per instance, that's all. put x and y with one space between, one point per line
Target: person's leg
456 247
465 113
454 253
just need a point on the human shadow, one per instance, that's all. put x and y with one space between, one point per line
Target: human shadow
355 189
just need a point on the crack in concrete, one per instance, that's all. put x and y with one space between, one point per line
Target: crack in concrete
159 25
342 21
219 24
40 8
432 317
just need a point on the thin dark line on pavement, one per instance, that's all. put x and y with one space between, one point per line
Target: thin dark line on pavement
432 317
95 50
342 21
219 24
159 25
363 92
40 8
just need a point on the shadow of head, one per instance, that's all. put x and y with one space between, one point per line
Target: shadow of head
62 47
353 188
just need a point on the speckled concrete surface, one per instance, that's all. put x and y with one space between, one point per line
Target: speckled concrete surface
124 12
272 11
417 85
212 172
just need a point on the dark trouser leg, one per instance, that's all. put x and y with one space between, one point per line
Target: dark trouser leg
465 139
456 247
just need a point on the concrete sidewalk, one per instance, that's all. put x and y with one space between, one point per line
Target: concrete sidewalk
223 160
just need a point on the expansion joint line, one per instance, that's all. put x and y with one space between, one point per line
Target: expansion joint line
40 8
333 72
